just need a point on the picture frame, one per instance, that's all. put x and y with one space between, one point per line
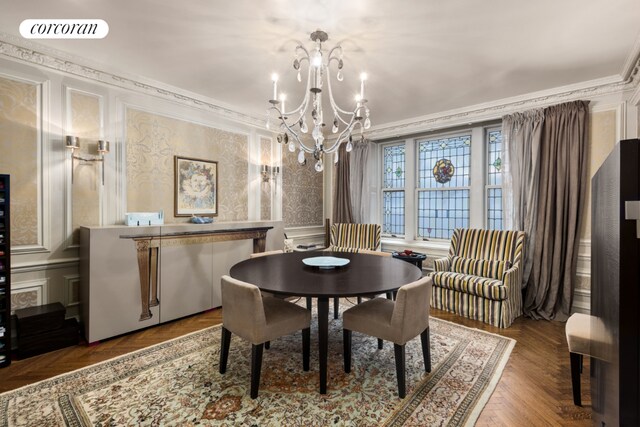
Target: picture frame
195 187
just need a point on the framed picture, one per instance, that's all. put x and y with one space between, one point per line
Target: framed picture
196 187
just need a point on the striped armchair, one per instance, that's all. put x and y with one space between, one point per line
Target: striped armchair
353 237
481 278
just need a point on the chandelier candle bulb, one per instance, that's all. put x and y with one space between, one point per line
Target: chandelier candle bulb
363 77
274 78
283 98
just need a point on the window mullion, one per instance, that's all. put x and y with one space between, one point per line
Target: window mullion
410 194
476 195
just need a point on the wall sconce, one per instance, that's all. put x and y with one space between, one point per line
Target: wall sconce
269 172
73 143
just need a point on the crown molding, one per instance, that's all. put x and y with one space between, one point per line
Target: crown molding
496 109
631 65
23 50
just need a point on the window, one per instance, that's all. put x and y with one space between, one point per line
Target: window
435 183
393 158
443 185
494 179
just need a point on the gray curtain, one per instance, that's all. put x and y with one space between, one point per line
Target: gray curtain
521 141
360 180
562 188
342 196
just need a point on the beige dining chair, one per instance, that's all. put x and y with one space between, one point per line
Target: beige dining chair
269 294
258 320
266 253
398 322
378 253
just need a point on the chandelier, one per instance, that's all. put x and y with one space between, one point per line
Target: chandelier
293 123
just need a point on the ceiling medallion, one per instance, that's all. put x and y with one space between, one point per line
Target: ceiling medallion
293 122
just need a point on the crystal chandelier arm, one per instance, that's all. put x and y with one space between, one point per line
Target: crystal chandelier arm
334 105
304 49
304 103
342 137
331 57
302 108
293 133
334 147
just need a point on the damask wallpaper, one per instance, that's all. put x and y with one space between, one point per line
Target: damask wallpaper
301 192
19 129
265 187
85 122
602 138
153 140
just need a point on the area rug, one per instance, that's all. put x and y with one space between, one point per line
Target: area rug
178 383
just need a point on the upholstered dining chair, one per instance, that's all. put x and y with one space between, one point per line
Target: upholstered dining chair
377 253
258 320
266 253
269 294
398 322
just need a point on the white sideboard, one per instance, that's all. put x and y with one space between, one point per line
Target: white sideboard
135 277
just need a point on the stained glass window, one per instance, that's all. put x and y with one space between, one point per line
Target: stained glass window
453 151
439 212
494 168
393 182
443 180
494 179
494 208
394 165
393 213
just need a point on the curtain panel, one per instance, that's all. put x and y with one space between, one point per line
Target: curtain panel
545 152
360 178
342 197
521 141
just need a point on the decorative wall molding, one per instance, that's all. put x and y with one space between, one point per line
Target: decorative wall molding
581 301
306 235
71 282
584 258
635 98
21 50
29 293
43 177
27 267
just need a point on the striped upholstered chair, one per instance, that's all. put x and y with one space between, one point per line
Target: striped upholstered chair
353 237
481 278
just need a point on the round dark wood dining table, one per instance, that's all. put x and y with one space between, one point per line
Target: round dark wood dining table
286 274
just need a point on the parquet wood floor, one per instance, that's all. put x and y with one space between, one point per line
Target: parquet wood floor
535 388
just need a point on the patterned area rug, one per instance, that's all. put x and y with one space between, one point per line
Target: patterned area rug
177 383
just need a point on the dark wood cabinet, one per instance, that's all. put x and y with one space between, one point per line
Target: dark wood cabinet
615 289
5 273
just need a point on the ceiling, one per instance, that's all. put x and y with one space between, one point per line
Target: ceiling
422 56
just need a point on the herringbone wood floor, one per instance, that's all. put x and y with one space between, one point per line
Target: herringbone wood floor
535 388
